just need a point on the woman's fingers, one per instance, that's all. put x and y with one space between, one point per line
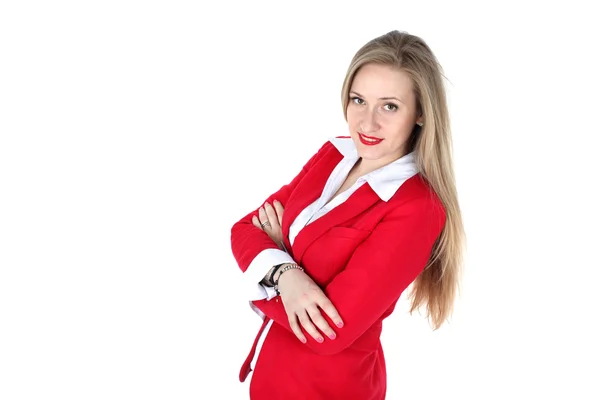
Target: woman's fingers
296 328
272 216
320 322
279 210
256 222
308 326
262 217
329 309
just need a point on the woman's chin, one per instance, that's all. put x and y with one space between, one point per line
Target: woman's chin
369 154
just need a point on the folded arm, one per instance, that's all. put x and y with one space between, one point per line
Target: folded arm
379 271
255 252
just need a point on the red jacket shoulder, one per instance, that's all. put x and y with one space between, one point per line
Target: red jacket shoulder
417 191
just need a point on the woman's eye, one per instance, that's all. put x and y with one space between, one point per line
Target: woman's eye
357 100
390 107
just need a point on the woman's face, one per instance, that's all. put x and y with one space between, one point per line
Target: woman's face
381 113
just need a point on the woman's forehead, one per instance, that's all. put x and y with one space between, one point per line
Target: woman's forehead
382 81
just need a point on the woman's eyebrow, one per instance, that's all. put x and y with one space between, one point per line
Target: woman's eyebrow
381 98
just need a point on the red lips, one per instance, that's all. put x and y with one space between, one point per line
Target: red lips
369 140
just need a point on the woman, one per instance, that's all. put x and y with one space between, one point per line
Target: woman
368 215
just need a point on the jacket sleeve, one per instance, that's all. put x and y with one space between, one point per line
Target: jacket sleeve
253 249
380 269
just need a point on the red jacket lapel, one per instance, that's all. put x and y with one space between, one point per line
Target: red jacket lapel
358 202
308 191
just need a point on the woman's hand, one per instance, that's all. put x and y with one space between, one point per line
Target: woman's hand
300 295
302 298
269 220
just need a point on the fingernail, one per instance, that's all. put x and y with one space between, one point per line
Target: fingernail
303 340
332 336
340 324
320 339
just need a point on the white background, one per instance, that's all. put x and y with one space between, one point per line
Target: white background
134 134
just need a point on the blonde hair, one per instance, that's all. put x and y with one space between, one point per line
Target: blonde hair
438 284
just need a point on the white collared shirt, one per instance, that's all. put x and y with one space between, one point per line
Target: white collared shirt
384 181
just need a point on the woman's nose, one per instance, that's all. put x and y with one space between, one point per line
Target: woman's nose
369 122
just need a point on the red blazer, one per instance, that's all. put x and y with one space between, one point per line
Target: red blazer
363 253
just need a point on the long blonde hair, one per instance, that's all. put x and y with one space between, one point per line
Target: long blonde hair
438 284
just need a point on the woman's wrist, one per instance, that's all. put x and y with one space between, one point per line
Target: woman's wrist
286 269
278 272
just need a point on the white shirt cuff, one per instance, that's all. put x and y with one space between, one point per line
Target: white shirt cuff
257 270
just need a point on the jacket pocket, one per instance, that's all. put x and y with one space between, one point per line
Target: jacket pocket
348 233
